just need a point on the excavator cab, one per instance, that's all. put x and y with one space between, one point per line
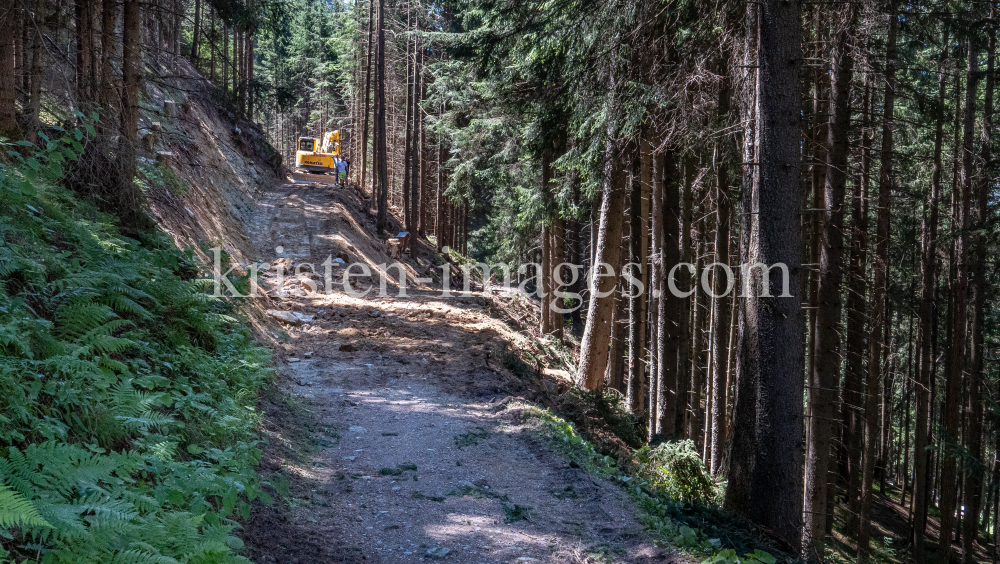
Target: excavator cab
307 144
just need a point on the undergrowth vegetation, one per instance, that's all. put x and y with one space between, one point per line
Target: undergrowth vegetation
669 483
127 394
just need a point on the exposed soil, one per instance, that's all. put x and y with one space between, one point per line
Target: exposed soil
394 426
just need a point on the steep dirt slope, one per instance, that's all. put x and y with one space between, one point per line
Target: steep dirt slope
395 428
204 168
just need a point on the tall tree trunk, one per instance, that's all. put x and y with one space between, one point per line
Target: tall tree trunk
636 366
979 286
131 81
852 398
826 339
415 189
765 466
879 290
9 127
411 89
20 74
684 314
670 309
380 148
213 48
928 275
439 208
84 51
35 82
959 286
924 329
196 34
109 16
594 345
225 60
556 257
250 61
720 344
658 164
368 91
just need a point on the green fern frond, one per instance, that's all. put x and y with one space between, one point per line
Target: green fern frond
79 318
98 504
106 344
124 305
17 511
16 472
141 557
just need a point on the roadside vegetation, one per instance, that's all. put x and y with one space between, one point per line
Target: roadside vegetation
127 393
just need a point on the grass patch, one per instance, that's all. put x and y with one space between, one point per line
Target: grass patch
399 469
566 493
477 492
420 495
605 553
512 361
471 438
515 513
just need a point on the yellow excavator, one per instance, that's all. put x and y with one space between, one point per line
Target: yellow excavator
315 158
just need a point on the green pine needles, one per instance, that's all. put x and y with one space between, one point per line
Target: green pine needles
127 394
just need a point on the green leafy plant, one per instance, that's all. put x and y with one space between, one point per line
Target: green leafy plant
127 394
677 468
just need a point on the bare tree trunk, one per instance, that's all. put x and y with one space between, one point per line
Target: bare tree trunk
35 82
9 127
593 346
415 188
131 81
657 216
212 48
411 89
959 285
924 370
765 466
636 366
196 34
826 339
109 15
556 257
720 345
669 312
250 60
979 286
84 51
368 77
685 312
225 59
380 146
879 291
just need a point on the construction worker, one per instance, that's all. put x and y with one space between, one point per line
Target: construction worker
341 167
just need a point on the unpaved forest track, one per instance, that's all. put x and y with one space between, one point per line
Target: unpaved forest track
401 451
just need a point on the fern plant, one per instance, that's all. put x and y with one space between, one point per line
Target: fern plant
127 433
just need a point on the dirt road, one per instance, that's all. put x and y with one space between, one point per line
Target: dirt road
391 429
